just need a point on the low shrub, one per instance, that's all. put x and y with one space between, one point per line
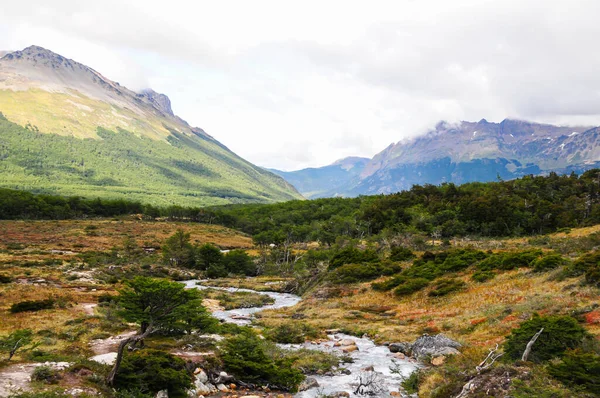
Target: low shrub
354 273
410 286
150 371
291 333
313 361
482 276
352 255
5 278
400 253
549 262
578 369
444 287
45 374
519 259
560 333
35 305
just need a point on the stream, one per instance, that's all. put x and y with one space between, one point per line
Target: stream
370 360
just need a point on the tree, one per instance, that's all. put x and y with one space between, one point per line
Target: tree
153 304
209 255
17 340
240 263
178 251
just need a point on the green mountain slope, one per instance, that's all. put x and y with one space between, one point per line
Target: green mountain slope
66 129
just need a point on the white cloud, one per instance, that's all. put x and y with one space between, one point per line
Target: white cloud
296 84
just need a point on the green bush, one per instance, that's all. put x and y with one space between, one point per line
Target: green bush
482 276
587 265
400 253
354 273
5 278
352 255
519 259
389 284
150 371
411 286
239 262
444 287
578 369
411 383
216 271
245 357
291 333
548 262
45 374
560 333
35 305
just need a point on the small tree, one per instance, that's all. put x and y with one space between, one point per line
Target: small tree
209 255
240 263
153 304
178 251
19 339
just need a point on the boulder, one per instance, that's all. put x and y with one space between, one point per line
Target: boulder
222 388
201 376
349 348
309 382
403 348
346 342
162 394
339 394
202 388
434 346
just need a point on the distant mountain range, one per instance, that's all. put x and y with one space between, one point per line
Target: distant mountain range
67 129
458 153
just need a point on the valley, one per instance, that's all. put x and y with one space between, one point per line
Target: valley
335 314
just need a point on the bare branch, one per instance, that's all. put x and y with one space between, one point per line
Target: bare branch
530 344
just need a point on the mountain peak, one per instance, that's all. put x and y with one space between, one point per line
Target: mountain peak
158 100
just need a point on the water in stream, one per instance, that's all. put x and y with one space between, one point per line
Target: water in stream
368 355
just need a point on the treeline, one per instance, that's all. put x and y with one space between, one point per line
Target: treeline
526 206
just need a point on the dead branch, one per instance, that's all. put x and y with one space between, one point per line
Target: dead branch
489 360
530 344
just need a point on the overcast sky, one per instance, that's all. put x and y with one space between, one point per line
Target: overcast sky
293 84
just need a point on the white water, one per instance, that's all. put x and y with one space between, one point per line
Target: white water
368 354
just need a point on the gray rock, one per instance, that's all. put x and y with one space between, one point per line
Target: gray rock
339 394
202 388
162 394
403 348
202 377
434 346
308 383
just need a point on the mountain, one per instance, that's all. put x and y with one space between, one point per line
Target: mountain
466 152
328 181
67 129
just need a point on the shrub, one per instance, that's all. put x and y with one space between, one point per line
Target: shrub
240 263
216 271
446 286
588 265
482 276
560 333
411 383
45 374
390 283
519 259
245 357
35 305
400 253
151 371
313 361
5 279
411 286
353 273
578 369
548 262
352 255
291 333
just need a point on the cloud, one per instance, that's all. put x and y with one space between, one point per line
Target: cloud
297 84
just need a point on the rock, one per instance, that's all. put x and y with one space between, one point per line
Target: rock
222 388
162 394
345 371
399 355
349 348
332 331
201 376
368 369
309 382
434 346
438 361
232 386
202 388
223 374
404 348
251 396
339 394
395 394
347 342
191 393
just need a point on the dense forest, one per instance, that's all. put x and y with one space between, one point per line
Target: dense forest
527 206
